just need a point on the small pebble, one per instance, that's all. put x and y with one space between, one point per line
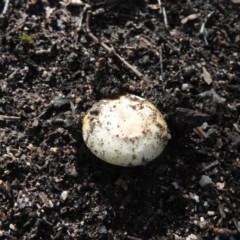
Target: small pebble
204 126
194 196
12 227
60 102
226 210
175 184
210 213
205 180
220 185
191 237
195 222
64 195
205 204
184 86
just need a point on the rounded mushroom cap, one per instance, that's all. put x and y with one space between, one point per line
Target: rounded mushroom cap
128 131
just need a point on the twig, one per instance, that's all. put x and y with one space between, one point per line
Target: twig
72 3
165 17
73 109
110 50
175 75
223 231
12 75
190 7
205 22
163 11
201 131
5 6
161 64
211 165
203 30
171 46
146 43
160 6
88 21
9 118
133 238
79 24
221 210
190 17
140 75
236 224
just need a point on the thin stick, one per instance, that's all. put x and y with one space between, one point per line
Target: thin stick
170 44
79 24
203 30
9 118
72 3
133 238
211 165
165 17
223 231
163 11
161 64
146 43
201 131
160 6
5 7
189 4
205 22
140 75
110 50
236 224
11 76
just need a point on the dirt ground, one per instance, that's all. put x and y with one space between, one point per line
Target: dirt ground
58 58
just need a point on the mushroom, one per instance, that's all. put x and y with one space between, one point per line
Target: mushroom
128 131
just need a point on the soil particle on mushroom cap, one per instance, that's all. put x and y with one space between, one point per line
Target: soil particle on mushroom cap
128 131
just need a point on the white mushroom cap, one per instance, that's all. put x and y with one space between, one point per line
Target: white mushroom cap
127 131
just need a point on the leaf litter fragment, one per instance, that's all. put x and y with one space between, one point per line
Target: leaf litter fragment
206 76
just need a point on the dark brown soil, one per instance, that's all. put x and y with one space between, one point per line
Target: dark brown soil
52 70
